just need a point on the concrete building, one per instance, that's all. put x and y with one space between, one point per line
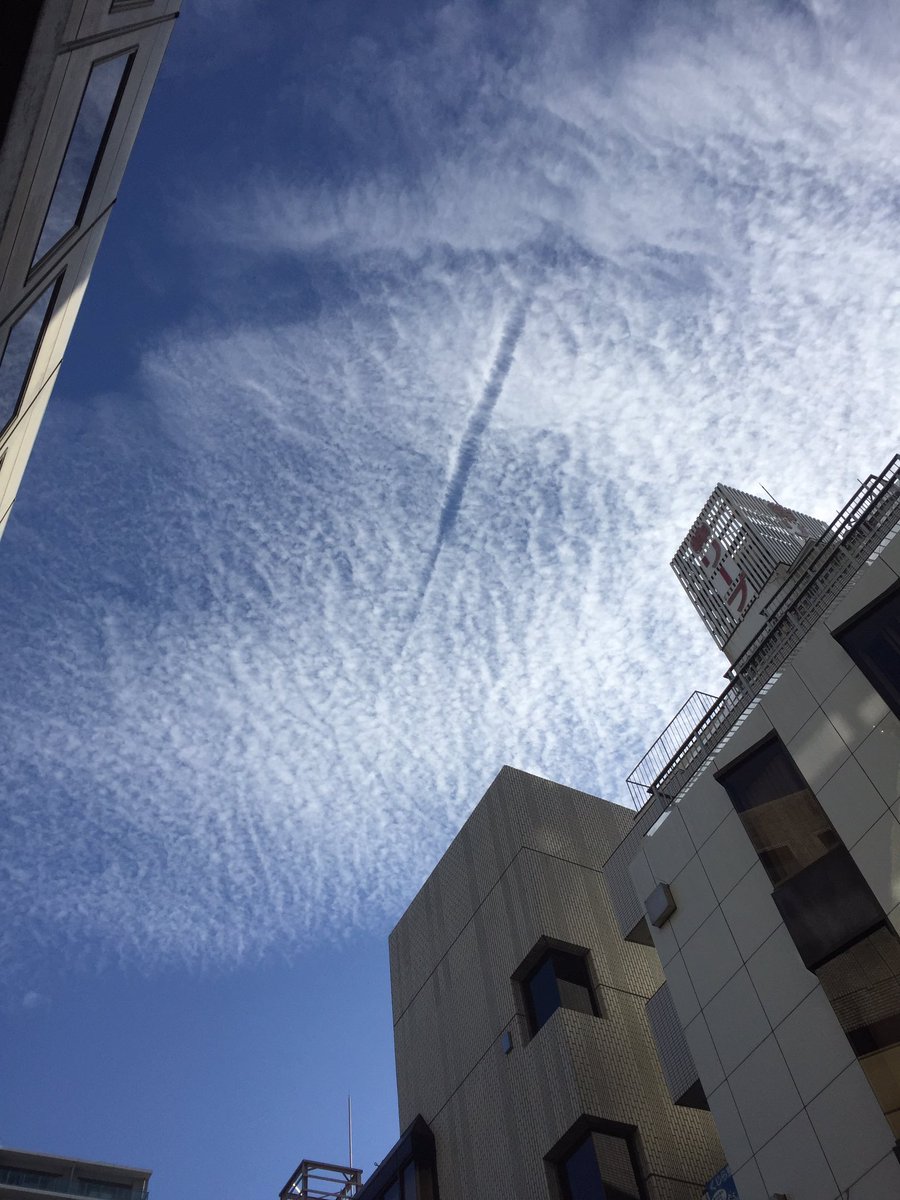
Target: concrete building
522 1019
23 1175
75 79
765 864
579 987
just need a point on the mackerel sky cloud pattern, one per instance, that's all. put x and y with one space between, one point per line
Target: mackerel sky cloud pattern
348 543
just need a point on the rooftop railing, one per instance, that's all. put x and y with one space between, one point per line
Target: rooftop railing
822 572
669 741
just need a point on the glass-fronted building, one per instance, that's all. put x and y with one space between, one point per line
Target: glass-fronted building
76 78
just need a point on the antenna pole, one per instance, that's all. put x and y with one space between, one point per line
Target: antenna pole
350 1126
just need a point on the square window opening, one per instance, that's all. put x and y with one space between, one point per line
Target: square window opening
873 642
555 977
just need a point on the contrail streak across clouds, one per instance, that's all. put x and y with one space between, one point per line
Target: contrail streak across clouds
215 562
471 440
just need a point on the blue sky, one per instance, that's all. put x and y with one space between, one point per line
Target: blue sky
419 336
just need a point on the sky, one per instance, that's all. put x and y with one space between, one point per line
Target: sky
419 336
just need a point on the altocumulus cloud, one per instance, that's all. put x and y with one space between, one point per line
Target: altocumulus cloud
331 570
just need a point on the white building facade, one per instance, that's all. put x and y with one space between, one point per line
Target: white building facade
765 863
76 80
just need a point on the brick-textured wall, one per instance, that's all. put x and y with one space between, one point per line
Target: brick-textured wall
525 865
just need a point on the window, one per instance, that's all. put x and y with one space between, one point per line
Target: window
19 21
403 1186
833 917
821 894
24 1177
873 642
408 1171
863 985
89 133
600 1167
780 862
19 354
103 1189
409 1182
783 818
558 979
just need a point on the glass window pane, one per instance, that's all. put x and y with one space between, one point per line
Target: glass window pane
409 1182
21 347
393 1192
103 1189
874 645
23 1177
560 980
88 133
581 1173
786 823
543 994
826 907
863 985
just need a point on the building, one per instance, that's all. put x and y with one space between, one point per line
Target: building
700 998
407 1172
24 1175
764 865
523 1021
75 77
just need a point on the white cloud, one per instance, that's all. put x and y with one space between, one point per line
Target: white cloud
265 734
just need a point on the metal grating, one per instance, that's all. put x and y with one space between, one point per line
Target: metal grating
826 569
757 535
784 530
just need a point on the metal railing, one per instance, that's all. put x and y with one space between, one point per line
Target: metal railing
820 576
669 741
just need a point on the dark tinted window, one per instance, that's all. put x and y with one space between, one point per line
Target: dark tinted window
581 1174
863 985
23 1177
542 993
16 31
821 893
18 355
873 642
560 980
826 906
103 1189
410 1192
788 827
601 1167
95 115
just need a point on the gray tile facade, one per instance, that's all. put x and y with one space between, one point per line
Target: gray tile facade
526 866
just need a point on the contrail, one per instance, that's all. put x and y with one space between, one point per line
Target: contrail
471 441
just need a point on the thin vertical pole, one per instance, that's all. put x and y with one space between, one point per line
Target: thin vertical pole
350 1126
